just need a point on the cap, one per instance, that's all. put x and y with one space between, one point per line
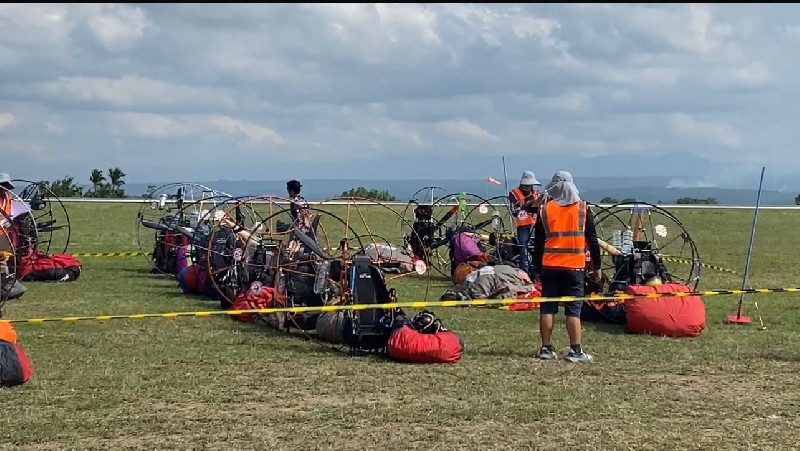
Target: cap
528 178
293 185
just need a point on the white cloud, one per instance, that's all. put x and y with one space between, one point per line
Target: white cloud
28 119
749 75
116 26
161 126
646 76
689 27
791 31
465 128
7 120
382 85
14 149
133 91
495 23
691 183
575 101
716 132
377 31
255 132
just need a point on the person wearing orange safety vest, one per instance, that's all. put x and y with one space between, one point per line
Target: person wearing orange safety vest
524 202
6 247
563 231
6 201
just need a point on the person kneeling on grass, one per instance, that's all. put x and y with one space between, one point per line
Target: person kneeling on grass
564 228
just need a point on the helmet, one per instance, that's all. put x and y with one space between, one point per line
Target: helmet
426 322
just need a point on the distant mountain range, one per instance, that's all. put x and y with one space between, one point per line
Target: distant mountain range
645 189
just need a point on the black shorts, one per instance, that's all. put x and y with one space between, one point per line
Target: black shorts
556 283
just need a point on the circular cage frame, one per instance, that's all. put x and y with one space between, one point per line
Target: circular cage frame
437 258
328 249
692 279
159 198
39 229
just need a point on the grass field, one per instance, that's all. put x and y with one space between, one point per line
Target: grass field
215 383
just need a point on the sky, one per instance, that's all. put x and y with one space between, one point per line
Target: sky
169 92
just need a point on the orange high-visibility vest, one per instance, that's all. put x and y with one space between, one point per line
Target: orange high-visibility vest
523 217
8 333
564 235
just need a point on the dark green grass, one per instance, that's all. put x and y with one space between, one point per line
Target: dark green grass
216 383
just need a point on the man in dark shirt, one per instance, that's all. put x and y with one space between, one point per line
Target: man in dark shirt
560 258
296 201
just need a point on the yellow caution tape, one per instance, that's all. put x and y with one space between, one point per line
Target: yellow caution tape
397 305
667 258
704 265
109 254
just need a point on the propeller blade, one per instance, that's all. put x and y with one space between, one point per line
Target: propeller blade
315 224
311 244
154 225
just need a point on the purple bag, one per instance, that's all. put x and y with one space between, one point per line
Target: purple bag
465 248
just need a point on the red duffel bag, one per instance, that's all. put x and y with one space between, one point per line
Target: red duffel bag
671 316
411 346
40 267
258 297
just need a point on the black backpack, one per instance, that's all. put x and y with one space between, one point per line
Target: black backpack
368 330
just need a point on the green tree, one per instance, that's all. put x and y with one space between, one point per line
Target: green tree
797 200
695 201
97 178
608 200
629 201
372 194
65 187
116 182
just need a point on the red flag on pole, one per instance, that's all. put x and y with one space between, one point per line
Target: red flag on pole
491 180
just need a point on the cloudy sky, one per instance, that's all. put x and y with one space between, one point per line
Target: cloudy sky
189 92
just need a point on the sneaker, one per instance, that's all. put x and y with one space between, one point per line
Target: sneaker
546 353
578 357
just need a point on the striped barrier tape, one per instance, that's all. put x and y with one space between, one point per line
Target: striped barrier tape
667 258
703 265
396 305
108 254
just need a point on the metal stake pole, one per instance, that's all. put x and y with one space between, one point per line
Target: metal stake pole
738 318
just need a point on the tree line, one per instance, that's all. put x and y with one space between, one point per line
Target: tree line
372 194
103 185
